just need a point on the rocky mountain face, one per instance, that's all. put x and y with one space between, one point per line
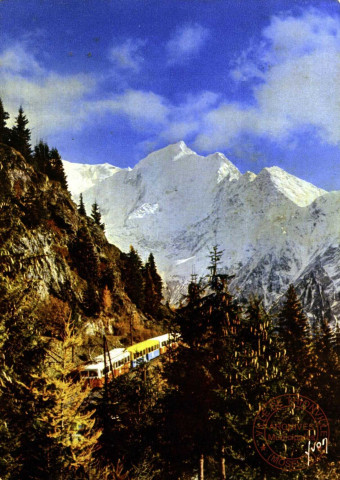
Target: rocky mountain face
274 228
46 247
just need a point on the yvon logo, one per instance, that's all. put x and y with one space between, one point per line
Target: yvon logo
291 432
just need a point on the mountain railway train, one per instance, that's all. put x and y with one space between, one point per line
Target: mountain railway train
120 360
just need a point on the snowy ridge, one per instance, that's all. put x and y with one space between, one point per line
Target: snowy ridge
81 176
274 228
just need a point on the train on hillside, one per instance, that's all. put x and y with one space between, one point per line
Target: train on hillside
120 360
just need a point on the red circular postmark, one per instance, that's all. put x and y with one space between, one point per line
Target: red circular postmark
291 432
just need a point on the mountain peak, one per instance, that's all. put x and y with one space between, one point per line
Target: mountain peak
174 149
299 191
170 153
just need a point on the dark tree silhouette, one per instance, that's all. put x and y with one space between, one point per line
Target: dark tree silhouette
4 131
81 206
97 216
20 135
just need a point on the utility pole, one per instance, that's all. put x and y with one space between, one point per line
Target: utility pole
131 331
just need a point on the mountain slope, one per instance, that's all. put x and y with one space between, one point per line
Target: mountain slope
57 255
273 227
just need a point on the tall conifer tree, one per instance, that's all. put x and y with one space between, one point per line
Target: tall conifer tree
133 276
56 170
41 157
20 135
152 287
81 206
97 216
294 330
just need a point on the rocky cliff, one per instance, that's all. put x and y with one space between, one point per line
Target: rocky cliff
46 246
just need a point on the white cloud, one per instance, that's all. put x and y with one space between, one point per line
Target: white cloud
52 102
55 103
127 55
294 74
186 43
296 69
17 59
137 105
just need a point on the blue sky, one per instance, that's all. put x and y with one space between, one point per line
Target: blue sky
112 80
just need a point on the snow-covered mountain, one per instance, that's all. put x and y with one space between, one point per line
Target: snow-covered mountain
81 176
274 228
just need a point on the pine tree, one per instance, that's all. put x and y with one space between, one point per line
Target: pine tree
294 330
133 277
325 388
190 398
96 216
20 135
41 157
251 369
152 287
215 258
124 413
157 281
4 131
227 364
81 206
326 367
56 170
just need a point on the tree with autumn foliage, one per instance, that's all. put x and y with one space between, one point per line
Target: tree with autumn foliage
71 430
22 354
